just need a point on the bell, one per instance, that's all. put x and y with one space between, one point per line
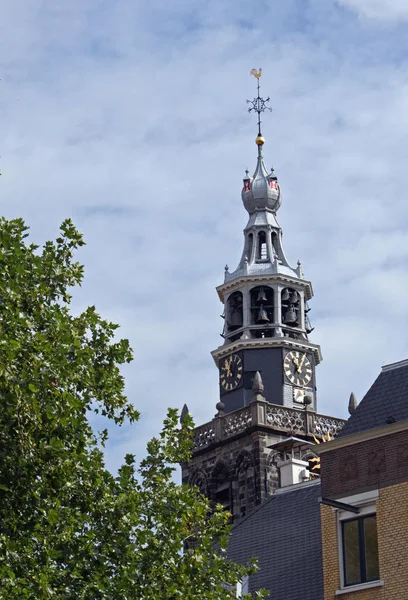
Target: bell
290 317
285 295
263 316
236 320
261 295
294 298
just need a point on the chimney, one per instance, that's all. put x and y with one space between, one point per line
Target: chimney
293 470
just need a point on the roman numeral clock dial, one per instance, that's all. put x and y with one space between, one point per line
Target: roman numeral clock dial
298 368
231 372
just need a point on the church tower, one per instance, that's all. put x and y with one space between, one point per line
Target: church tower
266 323
262 436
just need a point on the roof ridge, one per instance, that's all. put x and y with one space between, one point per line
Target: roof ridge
395 365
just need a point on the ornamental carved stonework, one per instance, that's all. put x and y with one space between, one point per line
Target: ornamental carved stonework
348 468
376 461
402 455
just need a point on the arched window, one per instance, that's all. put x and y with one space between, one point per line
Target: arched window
272 473
290 301
262 247
199 479
261 305
274 240
221 485
234 311
245 484
250 243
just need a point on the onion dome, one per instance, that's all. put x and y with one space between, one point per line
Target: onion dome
261 192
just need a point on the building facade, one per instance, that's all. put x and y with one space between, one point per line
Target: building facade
364 487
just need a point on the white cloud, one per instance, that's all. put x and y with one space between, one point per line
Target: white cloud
131 118
379 10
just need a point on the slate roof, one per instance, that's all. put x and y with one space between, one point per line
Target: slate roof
385 402
284 534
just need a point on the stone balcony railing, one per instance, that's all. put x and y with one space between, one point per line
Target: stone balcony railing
292 421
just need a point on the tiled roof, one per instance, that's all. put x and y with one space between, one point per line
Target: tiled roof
284 534
385 402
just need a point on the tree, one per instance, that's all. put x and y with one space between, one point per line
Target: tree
69 528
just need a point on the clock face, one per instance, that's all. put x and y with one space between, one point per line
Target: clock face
231 372
298 368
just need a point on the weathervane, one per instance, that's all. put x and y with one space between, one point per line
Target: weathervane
259 105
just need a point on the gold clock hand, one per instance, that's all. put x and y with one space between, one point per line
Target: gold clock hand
301 363
227 368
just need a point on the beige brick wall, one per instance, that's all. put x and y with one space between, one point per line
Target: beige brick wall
392 524
393 540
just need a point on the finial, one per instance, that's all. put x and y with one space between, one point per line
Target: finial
220 406
247 173
226 268
184 413
259 105
352 403
257 388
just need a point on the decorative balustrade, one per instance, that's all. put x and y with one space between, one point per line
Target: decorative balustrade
286 419
237 421
292 421
327 425
204 435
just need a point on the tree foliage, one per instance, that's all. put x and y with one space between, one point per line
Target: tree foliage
69 529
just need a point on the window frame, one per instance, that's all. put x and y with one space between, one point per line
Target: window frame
367 504
361 548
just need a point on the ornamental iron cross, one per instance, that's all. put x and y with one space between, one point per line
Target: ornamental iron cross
258 104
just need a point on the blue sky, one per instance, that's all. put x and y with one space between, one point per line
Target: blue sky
130 117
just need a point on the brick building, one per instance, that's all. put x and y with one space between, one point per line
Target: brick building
364 488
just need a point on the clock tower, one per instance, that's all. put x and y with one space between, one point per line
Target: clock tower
266 322
261 438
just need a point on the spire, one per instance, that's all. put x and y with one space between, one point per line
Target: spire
260 192
263 252
257 388
184 413
352 403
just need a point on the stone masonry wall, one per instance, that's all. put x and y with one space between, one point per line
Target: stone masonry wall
245 462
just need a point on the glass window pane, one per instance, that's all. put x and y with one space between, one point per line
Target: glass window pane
371 548
352 568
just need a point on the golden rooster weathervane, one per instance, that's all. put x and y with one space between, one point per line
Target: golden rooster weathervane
256 73
258 104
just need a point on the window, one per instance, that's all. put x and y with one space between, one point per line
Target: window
250 244
360 550
262 248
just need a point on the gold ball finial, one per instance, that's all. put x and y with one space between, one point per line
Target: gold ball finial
259 140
